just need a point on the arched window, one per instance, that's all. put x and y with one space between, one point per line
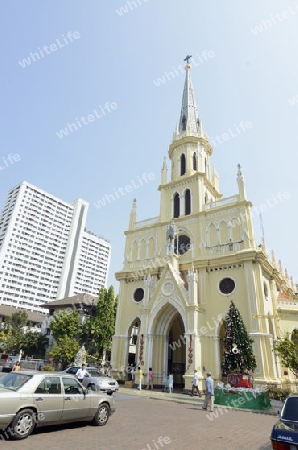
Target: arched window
182 164
194 161
176 205
183 123
187 202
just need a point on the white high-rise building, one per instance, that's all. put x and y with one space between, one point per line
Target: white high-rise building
45 252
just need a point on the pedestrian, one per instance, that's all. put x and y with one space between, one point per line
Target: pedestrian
81 373
209 393
171 383
195 384
139 378
17 366
150 379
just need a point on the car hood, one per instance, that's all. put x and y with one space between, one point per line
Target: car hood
285 432
4 392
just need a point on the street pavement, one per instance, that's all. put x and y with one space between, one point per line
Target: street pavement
158 421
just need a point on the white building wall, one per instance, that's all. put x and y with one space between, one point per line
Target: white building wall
41 250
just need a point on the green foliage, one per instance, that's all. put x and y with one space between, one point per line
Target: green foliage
65 349
48 368
288 352
277 393
238 354
17 321
65 324
100 327
13 338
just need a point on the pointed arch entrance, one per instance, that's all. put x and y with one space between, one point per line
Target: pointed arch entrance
168 345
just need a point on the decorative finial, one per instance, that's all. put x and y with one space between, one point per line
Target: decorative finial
187 58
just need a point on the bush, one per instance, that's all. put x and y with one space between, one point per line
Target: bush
48 368
278 394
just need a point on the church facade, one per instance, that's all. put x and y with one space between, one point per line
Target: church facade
182 268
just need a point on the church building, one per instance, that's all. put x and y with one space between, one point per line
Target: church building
182 268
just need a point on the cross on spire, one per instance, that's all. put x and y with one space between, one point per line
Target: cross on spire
187 58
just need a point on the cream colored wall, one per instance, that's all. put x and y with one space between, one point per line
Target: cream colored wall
211 228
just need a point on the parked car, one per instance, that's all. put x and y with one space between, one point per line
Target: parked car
30 399
284 435
97 381
9 363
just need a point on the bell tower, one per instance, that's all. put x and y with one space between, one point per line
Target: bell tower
192 182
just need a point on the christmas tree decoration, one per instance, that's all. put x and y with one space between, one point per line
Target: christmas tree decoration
238 353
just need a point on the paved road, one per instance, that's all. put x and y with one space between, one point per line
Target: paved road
139 421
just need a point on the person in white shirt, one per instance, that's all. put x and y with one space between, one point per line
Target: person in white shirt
81 373
195 384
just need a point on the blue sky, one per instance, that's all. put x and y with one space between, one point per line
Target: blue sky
115 56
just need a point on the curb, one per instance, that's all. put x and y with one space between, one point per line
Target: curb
178 398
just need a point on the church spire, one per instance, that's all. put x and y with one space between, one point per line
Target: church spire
189 118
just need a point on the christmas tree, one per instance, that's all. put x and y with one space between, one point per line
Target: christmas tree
238 353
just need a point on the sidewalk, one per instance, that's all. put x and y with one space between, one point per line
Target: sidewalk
178 397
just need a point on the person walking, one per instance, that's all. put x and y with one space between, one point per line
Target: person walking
150 379
195 384
209 393
81 373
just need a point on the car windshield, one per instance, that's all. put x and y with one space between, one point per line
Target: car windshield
14 380
95 373
290 410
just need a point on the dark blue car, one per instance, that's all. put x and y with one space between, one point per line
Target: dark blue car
284 435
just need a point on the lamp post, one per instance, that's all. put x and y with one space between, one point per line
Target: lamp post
92 313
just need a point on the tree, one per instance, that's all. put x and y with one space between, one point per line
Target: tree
103 325
65 324
288 352
14 338
238 353
65 349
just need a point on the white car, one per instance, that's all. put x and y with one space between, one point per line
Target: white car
96 381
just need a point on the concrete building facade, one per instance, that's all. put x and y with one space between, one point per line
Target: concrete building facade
182 268
45 252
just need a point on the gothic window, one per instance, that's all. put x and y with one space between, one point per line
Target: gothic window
206 198
182 244
206 166
183 123
187 202
294 336
176 205
194 161
182 164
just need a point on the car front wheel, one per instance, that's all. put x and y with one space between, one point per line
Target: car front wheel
23 424
102 415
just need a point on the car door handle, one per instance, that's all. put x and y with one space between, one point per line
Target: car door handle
67 398
39 399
